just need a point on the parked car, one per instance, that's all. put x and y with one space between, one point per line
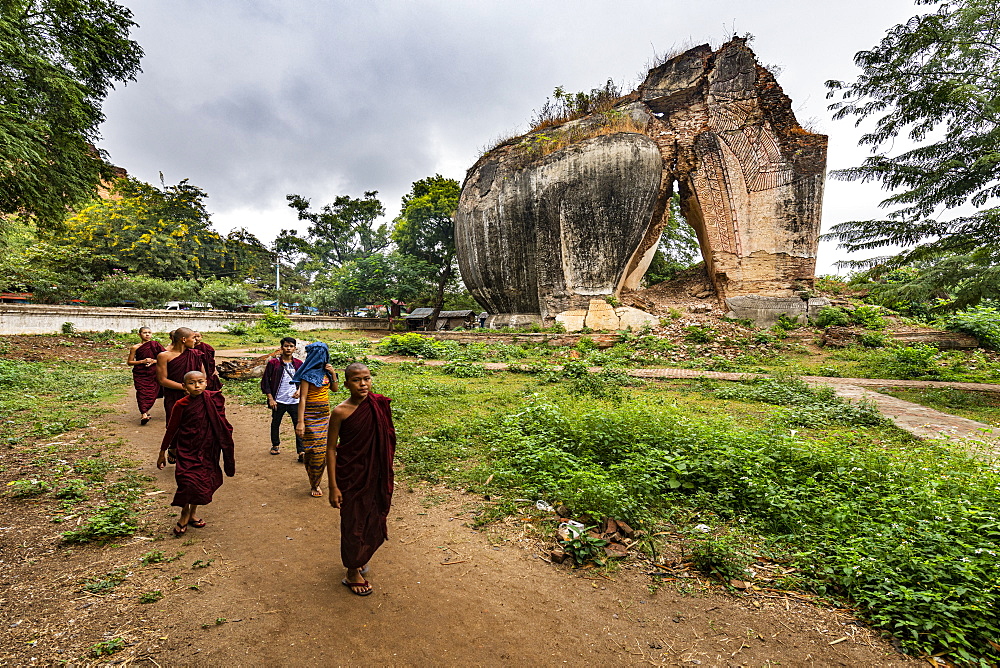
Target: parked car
187 306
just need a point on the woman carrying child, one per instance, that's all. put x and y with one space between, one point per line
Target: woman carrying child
142 359
315 378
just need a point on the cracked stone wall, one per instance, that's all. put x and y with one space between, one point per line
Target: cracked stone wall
537 237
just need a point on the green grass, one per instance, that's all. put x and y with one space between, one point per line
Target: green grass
980 406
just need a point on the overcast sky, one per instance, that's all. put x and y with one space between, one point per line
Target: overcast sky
255 99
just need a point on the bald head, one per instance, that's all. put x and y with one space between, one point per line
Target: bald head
180 334
355 367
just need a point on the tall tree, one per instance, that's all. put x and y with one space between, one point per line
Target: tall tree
339 232
60 59
425 229
935 80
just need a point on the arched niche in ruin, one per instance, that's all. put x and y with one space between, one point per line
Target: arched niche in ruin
539 236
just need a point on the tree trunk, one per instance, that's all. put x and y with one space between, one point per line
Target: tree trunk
439 299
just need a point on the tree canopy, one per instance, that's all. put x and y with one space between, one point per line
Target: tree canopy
936 81
339 232
60 59
425 229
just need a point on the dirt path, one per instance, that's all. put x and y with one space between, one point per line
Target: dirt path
275 580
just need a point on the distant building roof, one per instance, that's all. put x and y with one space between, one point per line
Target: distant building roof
456 314
419 313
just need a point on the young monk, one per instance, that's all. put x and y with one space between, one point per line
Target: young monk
214 383
172 364
360 473
199 432
142 359
314 378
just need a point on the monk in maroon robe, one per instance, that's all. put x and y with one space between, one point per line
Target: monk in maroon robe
200 434
142 359
208 351
360 473
173 364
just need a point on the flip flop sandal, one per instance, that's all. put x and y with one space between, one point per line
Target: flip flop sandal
179 529
197 524
316 493
144 421
358 588
275 451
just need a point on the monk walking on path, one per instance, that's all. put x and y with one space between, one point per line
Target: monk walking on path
214 383
173 364
199 433
360 473
142 359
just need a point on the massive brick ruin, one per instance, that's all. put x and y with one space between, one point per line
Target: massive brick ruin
540 237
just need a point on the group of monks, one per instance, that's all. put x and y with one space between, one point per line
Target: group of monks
198 435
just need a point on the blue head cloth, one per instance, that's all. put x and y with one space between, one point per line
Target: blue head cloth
314 368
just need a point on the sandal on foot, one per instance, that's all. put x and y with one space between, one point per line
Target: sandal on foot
197 524
180 529
317 493
358 588
275 451
143 421
301 458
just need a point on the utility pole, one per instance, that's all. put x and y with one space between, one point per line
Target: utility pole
277 283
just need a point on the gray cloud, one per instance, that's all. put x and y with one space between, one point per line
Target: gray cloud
253 100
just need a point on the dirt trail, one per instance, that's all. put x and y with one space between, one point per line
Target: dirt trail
276 576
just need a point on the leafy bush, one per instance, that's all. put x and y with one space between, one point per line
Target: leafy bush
832 316
74 489
237 328
869 317
721 556
224 294
917 361
145 291
410 344
277 324
982 322
874 340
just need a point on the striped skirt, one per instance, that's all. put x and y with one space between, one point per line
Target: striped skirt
317 423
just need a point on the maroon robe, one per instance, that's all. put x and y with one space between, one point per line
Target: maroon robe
213 380
200 432
147 389
189 360
364 477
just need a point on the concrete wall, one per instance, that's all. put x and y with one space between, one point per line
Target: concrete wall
39 319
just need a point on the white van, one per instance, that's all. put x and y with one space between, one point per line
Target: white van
187 306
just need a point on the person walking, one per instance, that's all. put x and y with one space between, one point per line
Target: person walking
142 359
282 394
315 378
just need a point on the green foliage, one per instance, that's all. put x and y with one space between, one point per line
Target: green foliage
107 647
869 317
145 291
721 556
224 293
874 340
678 249
112 520
910 536
67 328
809 407
982 322
569 106
699 334
411 344
276 324
151 596
932 80
370 279
339 232
425 229
61 59
583 547
464 369
917 361
107 583
72 490
832 316
24 489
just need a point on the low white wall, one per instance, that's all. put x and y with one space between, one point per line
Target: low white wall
41 319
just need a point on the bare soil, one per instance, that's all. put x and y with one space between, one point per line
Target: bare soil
446 593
